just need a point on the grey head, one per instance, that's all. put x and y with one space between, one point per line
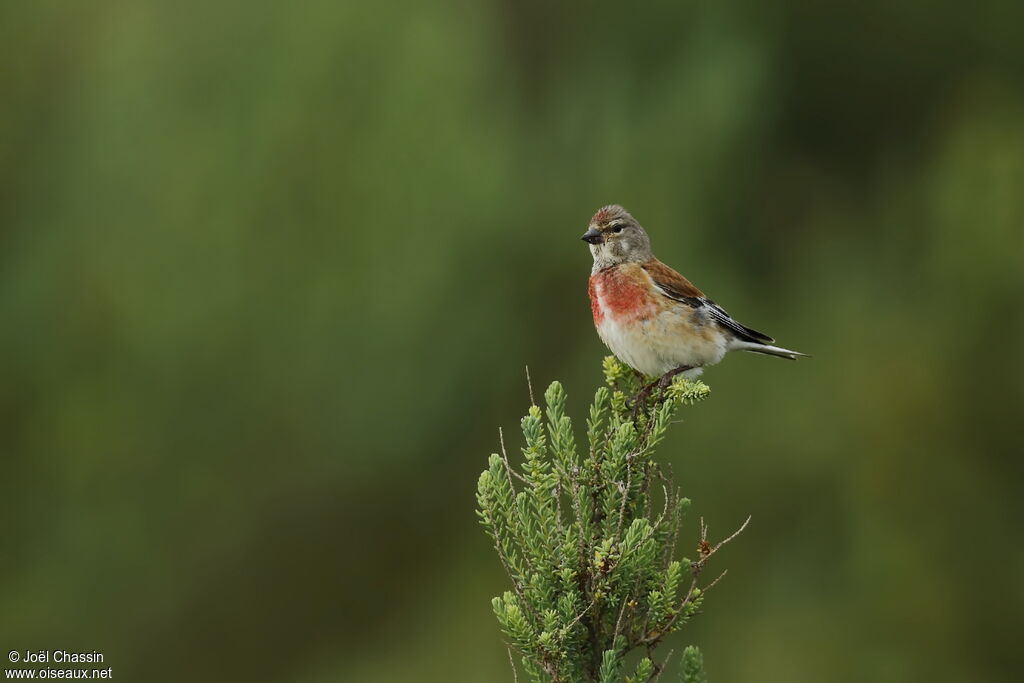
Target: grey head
616 238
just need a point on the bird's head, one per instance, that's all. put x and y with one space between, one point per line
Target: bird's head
616 238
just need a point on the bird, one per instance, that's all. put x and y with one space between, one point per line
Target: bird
652 318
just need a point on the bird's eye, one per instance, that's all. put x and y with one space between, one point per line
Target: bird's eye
617 228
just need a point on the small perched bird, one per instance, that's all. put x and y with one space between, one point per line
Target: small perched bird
651 317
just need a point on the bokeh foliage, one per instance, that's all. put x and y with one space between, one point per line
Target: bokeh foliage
269 274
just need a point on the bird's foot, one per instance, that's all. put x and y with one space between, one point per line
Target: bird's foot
642 396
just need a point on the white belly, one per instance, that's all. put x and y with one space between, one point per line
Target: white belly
662 342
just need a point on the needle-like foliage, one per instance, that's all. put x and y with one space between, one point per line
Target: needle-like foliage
588 537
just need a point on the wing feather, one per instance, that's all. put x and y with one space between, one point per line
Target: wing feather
675 286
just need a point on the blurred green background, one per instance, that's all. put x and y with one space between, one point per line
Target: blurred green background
270 274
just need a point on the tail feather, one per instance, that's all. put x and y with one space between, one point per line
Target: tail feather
769 350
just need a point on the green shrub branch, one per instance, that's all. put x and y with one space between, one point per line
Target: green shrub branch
588 540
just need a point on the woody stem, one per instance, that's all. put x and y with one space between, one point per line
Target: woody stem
660 383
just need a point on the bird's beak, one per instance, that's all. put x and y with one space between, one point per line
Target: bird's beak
593 236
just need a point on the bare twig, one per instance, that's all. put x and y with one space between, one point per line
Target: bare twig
508 467
706 550
580 615
712 584
660 668
516 586
645 489
497 544
575 503
735 533
661 518
670 504
696 567
515 674
624 490
618 621
529 385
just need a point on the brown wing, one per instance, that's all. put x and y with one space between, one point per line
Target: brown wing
675 286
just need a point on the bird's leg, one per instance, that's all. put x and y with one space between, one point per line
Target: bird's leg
667 378
645 392
661 383
640 400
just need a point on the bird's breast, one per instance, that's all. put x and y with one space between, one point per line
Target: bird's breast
620 294
646 330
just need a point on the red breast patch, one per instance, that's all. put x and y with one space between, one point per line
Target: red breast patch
595 305
618 293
